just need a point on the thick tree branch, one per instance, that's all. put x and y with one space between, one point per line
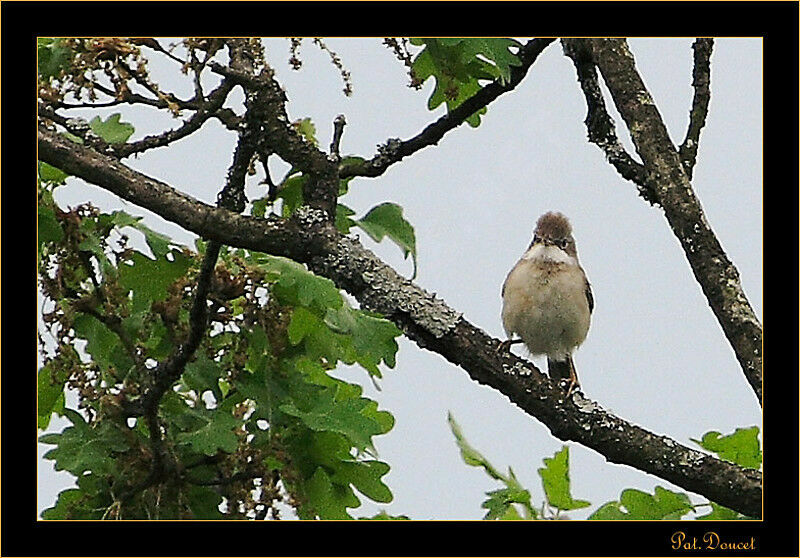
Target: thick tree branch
394 150
716 274
701 82
309 237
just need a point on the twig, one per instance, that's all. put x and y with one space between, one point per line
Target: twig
338 129
395 150
701 82
205 111
155 45
231 197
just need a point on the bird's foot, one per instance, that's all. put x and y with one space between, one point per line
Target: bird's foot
573 383
505 346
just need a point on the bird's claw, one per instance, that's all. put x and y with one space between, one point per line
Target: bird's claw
572 385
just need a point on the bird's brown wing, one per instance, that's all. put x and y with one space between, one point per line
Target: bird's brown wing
589 296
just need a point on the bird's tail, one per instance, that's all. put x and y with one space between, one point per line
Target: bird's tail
559 369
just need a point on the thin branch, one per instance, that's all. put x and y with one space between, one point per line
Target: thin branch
338 129
394 150
599 125
670 183
205 110
308 237
701 82
155 45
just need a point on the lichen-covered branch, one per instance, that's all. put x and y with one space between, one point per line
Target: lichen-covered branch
599 125
308 236
701 83
671 185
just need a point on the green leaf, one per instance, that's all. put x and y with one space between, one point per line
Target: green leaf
721 513
52 57
149 279
159 243
81 447
635 504
112 130
330 410
66 505
343 221
204 502
500 504
470 455
295 285
494 49
366 477
50 396
94 243
305 127
387 219
50 174
103 344
555 480
48 227
203 374
373 337
215 434
291 192
328 500
384 516
457 65
741 447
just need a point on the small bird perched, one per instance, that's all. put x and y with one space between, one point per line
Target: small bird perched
547 299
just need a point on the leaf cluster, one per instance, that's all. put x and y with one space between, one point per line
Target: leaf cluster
514 502
256 418
458 67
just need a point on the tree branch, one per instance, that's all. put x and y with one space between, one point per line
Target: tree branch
716 274
599 124
277 136
701 82
204 111
309 237
394 150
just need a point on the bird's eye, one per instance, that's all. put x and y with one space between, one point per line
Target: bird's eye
561 242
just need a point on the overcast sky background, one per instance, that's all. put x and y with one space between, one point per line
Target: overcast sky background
655 355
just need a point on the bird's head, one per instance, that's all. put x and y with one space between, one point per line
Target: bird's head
553 229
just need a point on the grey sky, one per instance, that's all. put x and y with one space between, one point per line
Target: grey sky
655 354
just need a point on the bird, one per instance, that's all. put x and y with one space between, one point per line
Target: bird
548 300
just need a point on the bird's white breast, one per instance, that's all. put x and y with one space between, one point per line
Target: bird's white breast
549 253
544 302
